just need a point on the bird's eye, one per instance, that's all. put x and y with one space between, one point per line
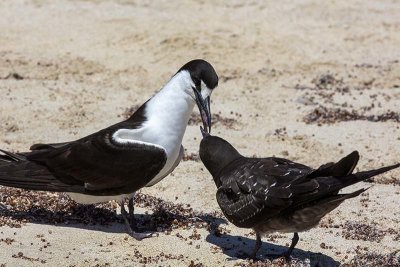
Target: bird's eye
196 81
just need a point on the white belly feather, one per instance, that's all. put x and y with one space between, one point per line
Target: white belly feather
88 199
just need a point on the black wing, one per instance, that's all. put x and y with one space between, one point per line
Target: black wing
95 165
253 190
261 188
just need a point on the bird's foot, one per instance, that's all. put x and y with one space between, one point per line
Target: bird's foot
253 254
139 236
134 232
130 222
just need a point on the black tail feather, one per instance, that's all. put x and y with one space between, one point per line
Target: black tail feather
343 167
361 176
331 185
342 182
10 157
17 171
355 193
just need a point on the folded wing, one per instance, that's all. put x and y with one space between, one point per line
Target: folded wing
95 165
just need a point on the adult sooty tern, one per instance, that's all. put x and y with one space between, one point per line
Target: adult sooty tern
113 163
276 194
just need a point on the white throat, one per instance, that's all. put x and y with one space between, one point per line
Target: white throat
168 113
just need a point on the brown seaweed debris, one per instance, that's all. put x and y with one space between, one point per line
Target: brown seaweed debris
326 81
168 216
330 82
157 259
21 255
279 262
20 206
195 119
362 231
372 259
192 157
323 115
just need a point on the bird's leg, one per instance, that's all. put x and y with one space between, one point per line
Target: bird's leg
253 253
131 209
287 254
295 239
257 246
136 235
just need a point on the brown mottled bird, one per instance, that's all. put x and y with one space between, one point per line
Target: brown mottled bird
275 194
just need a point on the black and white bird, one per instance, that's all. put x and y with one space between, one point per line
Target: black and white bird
113 163
276 194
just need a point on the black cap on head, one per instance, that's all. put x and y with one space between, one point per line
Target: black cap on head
201 70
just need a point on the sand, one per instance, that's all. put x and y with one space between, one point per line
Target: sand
69 68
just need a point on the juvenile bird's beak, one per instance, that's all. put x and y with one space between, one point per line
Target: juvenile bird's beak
204 133
204 109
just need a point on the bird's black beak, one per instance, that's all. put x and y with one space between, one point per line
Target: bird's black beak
204 133
204 109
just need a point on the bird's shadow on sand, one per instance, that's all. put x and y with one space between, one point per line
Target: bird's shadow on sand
236 246
94 218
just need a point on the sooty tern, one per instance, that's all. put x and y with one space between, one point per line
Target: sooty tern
113 163
276 194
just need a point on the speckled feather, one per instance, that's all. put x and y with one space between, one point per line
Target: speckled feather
261 186
276 194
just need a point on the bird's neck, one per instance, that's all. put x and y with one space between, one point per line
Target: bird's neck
216 168
218 156
168 112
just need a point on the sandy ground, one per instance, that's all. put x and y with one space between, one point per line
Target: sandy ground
310 81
